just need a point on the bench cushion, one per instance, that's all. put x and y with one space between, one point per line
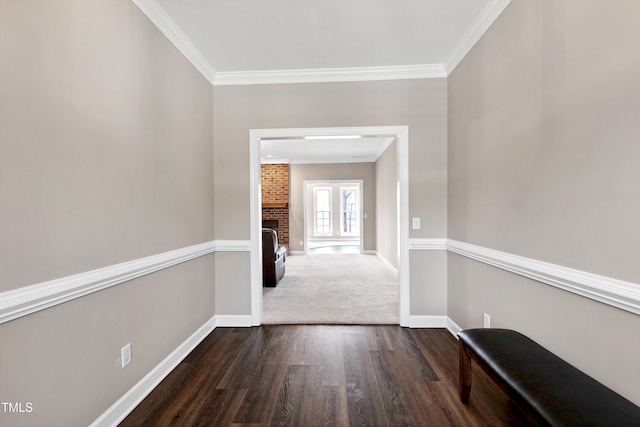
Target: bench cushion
559 393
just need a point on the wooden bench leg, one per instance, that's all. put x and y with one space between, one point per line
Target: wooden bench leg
464 373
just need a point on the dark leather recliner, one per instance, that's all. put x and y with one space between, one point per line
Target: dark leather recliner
273 258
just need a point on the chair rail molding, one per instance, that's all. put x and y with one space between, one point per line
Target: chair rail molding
438 244
30 299
232 245
614 292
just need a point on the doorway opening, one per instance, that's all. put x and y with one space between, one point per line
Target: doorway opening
400 134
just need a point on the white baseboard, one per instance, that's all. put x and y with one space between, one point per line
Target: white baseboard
427 321
387 263
453 327
435 322
119 410
233 321
297 252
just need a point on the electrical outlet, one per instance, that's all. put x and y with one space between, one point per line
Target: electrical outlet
487 321
301 243
125 355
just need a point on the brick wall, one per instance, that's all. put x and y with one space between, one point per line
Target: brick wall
275 183
275 190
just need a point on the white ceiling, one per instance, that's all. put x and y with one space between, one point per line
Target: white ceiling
292 41
299 150
258 35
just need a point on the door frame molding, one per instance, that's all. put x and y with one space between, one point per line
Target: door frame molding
402 144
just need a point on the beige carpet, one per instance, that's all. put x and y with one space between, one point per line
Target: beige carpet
342 288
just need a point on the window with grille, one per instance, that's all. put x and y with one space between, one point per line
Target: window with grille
322 211
349 211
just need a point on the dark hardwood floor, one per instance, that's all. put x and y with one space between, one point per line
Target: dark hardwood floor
317 375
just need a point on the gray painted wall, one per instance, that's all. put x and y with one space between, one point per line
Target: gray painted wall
419 104
543 163
106 156
386 170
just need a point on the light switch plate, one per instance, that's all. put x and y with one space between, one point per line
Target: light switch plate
125 355
416 223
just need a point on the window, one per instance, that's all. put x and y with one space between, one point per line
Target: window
349 211
322 211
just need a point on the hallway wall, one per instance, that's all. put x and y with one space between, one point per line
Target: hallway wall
106 156
543 163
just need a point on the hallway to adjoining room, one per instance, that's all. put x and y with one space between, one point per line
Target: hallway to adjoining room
259 213
333 288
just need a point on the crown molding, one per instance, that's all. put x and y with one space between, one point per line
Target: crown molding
482 23
165 24
168 27
326 75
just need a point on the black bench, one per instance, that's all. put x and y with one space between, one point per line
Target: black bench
547 389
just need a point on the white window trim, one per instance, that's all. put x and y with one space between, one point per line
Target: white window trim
315 210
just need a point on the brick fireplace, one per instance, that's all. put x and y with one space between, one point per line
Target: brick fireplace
275 200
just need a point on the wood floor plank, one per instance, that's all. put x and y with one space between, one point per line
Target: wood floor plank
248 358
329 357
366 403
303 346
440 349
441 411
334 408
323 375
266 381
408 357
222 408
297 396
391 388
153 406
